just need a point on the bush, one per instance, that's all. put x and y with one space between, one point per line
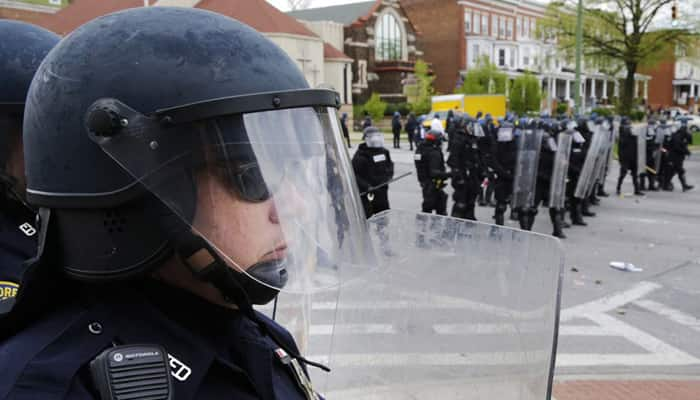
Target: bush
375 107
525 94
603 112
424 90
562 108
483 78
637 115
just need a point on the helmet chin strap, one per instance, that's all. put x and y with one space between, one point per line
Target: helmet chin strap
207 265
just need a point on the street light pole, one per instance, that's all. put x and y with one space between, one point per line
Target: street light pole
579 40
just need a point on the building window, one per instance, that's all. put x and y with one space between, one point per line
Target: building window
526 56
512 58
494 25
485 24
467 21
519 27
475 54
477 24
388 39
501 57
533 27
526 27
501 27
509 29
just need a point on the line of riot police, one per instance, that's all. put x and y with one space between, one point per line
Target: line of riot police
557 163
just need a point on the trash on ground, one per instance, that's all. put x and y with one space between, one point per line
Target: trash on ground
623 266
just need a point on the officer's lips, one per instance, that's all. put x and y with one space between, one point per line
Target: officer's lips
278 253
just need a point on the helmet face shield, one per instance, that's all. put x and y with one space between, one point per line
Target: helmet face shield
270 192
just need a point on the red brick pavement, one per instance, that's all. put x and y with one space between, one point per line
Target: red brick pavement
627 390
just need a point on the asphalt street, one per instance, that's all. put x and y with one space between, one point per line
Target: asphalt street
614 324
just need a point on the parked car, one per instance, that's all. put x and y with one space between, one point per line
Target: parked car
693 122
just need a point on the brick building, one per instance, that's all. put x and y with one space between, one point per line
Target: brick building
380 39
676 81
456 33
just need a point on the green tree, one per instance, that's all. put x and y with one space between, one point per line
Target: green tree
618 36
424 90
375 107
525 94
484 78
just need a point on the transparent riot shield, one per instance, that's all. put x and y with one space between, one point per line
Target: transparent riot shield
529 144
456 310
662 131
557 187
640 132
587 177
605 150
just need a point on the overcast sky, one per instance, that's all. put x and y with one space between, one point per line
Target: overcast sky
284 4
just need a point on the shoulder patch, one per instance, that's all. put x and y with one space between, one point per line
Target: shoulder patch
8 290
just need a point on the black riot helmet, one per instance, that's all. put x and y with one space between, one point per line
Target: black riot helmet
22 48
147 129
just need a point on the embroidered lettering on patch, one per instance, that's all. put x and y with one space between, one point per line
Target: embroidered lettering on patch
27 229
8 290
178 369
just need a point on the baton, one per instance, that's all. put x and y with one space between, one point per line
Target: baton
650 169
371 188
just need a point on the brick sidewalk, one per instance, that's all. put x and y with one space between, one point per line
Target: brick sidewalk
627 390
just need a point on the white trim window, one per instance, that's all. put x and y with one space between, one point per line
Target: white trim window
512 58
474 56
389 38
501 57
533 27
526 27
494 25
477 24
485 24
526 56
519 27
362 73
467 21
501 27
509 29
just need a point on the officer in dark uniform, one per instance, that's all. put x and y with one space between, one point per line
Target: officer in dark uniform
677 151
465 165
588 137
373 170
178 185
432 175
627 149
485 145
650 174
22 48
544 178
576 161
501 159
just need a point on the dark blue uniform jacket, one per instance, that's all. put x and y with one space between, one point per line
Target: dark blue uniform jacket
220 353
17 244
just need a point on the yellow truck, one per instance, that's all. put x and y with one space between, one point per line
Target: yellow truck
495 104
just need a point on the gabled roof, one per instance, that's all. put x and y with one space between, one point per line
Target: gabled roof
345 14
331 53
82 11
259 14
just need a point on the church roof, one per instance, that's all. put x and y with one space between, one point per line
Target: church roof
82 11
259 14
331 53
345 14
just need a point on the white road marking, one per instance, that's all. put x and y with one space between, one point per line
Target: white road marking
670 313
608 303
352 329
433 359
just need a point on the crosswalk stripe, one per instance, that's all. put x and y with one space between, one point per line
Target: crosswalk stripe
433 359
609 303
674 315
352 329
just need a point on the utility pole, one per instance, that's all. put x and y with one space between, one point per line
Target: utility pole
579 40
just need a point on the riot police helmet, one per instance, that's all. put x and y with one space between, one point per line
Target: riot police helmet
22 48
170 135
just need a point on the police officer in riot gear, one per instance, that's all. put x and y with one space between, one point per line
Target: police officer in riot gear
501 160
544 178
432 175
174 186
578 157
465 165
22 48
627 150
652 147
373 170
677 150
